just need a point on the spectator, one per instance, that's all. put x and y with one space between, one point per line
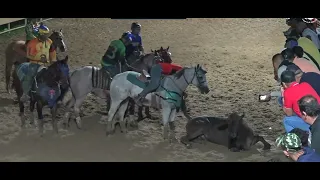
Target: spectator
311 78
310 110
292 148
304 64
292 92
306 28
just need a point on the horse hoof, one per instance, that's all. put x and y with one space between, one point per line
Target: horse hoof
78 122
108 133
188 146
267 147
234 150
151 117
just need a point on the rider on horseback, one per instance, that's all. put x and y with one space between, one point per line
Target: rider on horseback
115 54
155 73
38 49
136 44
31 29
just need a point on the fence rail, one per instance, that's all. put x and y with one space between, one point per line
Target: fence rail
10 24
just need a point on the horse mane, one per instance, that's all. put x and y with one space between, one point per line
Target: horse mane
179 73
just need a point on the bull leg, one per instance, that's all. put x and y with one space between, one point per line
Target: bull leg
266 145
111 122
186 140
166 111
132 122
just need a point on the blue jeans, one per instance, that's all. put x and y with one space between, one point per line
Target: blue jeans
280 101
291 122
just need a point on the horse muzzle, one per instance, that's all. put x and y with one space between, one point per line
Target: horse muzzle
204 89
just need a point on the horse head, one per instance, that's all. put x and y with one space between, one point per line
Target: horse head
234 120
57 40
200 79
59 72
165 54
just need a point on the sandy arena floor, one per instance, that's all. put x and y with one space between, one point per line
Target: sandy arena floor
236 53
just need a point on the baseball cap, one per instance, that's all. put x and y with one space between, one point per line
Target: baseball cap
290 142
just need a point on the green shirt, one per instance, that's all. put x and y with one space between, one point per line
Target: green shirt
116 52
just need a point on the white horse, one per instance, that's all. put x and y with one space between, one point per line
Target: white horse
169 94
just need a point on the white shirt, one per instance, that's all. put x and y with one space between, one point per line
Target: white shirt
314 36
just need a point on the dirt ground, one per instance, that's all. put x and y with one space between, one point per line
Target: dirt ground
236 53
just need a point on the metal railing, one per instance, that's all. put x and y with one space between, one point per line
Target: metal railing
9 21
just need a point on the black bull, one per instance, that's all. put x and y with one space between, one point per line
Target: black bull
231 132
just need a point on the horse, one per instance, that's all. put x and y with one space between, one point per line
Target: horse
45 89
16 52
91 79
128 85
166 58
231 132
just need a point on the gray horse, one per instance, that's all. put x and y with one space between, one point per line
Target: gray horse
168 95
95 80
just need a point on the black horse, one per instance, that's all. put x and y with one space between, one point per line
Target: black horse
46 90
230 132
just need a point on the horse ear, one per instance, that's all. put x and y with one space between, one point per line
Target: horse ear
61 30
66 59
198 66
168 48
242 116
161 48
54 31
151 50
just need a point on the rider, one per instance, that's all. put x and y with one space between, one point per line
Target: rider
115 55
155 73
136 44
31 29
38 49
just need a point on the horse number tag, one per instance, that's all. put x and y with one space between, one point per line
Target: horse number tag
52 93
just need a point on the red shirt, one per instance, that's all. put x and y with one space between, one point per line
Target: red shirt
167 68
295 92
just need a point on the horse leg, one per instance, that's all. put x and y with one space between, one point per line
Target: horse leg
21 114
8 73
32 104
172 125
148 115
76 108
121 114
40 117
108 102
132 122
165 120
54 120
140 115
66 118
256 138
112 112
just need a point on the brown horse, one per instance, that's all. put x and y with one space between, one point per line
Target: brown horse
16 52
